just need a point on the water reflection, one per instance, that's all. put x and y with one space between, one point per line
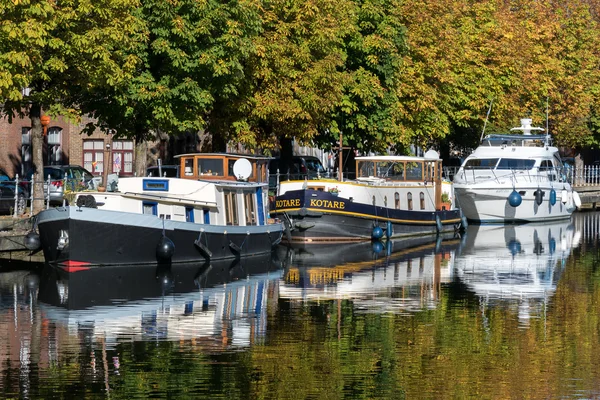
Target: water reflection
379 277
516 264
500 312
223 303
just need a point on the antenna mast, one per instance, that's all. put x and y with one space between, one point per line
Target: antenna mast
486 120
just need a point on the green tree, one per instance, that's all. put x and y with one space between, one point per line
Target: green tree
54 47
193 53
294 76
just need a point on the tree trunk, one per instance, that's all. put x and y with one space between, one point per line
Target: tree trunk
287 152
141 153
37 146
579 179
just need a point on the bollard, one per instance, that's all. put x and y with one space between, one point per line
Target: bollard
64 188
48 192
31 186
16 195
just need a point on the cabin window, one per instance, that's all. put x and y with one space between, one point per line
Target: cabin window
149 208
210 166
546 165
422 200
397 200
250 208
391 170
231 215
206 213
189 214
385 201
515 163
366 169
414 171
188 169
430 171
481 163
373 200
409 200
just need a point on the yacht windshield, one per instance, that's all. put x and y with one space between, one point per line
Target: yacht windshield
515 163
481 163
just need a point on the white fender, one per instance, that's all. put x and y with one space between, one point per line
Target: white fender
576 199
563 196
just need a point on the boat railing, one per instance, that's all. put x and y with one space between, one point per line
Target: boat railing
535 176
587 175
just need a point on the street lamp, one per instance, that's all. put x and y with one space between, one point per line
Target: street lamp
106 164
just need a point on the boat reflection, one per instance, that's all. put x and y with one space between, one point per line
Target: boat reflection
378 277
223 303
516 263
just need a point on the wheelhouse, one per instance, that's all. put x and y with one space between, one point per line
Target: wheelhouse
219 166
396 168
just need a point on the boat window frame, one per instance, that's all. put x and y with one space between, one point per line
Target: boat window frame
153 205
230 206
250 207
515 164
468 163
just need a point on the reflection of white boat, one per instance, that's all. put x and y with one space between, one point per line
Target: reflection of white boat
515 262
222 304
406 279
515 178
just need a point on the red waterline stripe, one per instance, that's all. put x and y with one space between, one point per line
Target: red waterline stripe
74 266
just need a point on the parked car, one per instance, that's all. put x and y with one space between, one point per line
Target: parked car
170 171
301 167
77 178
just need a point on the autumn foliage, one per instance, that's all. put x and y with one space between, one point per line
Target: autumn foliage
386 73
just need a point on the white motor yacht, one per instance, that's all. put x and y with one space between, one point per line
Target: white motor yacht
515 178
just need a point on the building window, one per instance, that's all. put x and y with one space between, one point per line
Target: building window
122 157
54 146
422 200
231 215
93 156
26 156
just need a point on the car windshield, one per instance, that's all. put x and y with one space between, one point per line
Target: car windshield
314 165
79 174
54 173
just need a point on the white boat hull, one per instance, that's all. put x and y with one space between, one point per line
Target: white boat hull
491 204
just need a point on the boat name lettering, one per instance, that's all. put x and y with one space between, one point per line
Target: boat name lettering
327 204
287 203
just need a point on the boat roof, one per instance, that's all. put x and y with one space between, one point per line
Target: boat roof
394 158
235 155
511 136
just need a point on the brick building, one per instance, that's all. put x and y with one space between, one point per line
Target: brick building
64 144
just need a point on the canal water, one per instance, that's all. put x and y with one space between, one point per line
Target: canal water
499 312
